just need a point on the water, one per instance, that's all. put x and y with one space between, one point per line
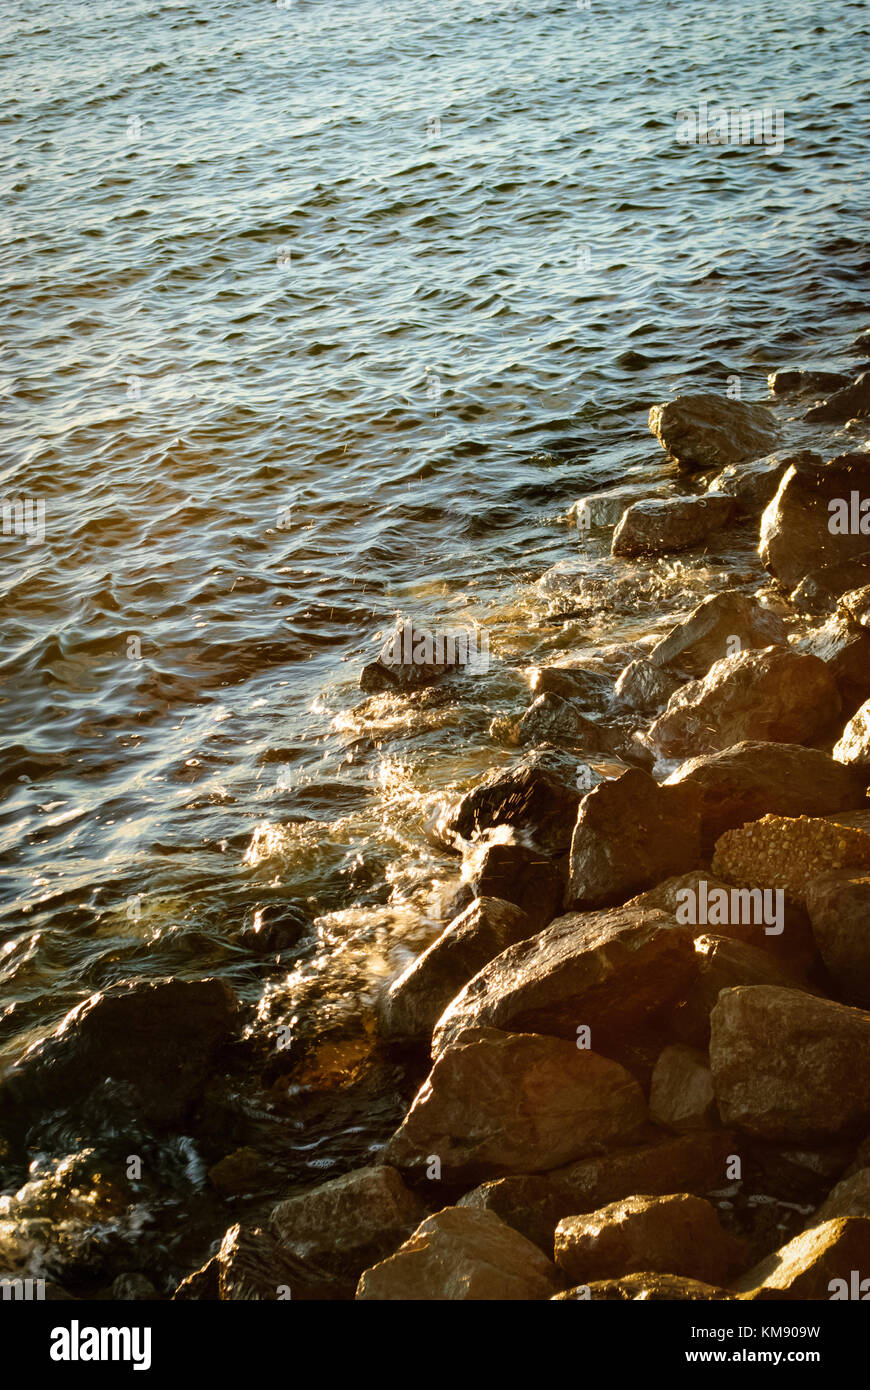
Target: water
322 314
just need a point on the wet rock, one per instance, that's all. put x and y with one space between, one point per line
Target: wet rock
774 695
643 1288
525 1202
674 523
553 719
405 664
855 605
839 908
853 747
777 852
681 1095
611 971
132 1288
347 1223
753 778
724 963
241 1172
645 687
251 1265
539 795
705 430
844 646
817 1264
796 535
721 626
849 403
497 1103
821 588
851 1197
588 688
274 927
800 383
751 486
417 999
158 1038
790 1066
466 1255
515 874
630 834
601 509
674 1234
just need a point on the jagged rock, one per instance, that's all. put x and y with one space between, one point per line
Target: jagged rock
462 1254
588 688
251 1265
853 748
497 1103
795 532
723 963
822 588
674 1234
674 523
752 779
800 383
705 430
395 668
347 1223
790 1066
552 719
643 1288
849 403
777 852
156 1038
539 795
516 874
751 486
839 908
845 648
681 1094
644 687
610 970
630 834
418 998
817 1264
773 695
525 1202
721 626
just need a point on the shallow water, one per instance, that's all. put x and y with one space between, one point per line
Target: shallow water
324 313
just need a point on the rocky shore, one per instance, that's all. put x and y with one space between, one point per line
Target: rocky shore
635 1064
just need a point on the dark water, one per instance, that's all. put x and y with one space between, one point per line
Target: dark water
314 316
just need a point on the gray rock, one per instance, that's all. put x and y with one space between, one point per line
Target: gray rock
706 430
800 383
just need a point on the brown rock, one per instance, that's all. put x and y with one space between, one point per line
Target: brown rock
822 587
705 430
723 963
674 1234
855 605
645 687
251 1265
527 1203
711 630
681 1095
851 1197
693 1162
844 646
839 909
816 1265
853 748
516 874
788 853
752 486
799 383
643 1288
674 523
243 1171
849 403
795 533
539 795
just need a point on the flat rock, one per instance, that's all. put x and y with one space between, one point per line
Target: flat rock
611 971
839 909
539 795
462 1254
416 1000
705 430
809 1265
774 695
795 532
790 1066
656 526
681 1094
787 853
853 747
721 626
516 874
674 1234
497 1103
630 834
851 402
643 1288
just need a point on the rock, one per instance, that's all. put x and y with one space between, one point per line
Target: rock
395 668
773 695
845 648
251 1266
744 782
790 1066
157 1038
644 687
855 605
705 430
795 532
132 1288
849 403
721 626
590 689
674 523
275 926
751 486
839 908
821 588
681 1095
800 383
816 1265
611 971
552 719
602 509
643 1288
525 1202
347 1223
462 1254
241 1172
692 1162
724 963
497 1103
518 875
674 1234
777 852
853 748
418 998
539 795
851 1197
630 834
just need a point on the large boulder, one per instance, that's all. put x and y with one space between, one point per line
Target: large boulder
498 1103
778 852
796 535
539 795
776 695
839 908
816 1265
721 625
417 999
611 971
462 1254
156 1040
630 834
705 430
723 963
754 778
850 402
790 1066
853 747
674 1234
517 874
675 523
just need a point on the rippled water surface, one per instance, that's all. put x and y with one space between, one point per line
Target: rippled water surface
320 313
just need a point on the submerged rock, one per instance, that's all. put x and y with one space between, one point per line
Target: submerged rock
817 1264
853 748
721 626
674 523
778 852
539 795
588 688
705 430
412 658
796 535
